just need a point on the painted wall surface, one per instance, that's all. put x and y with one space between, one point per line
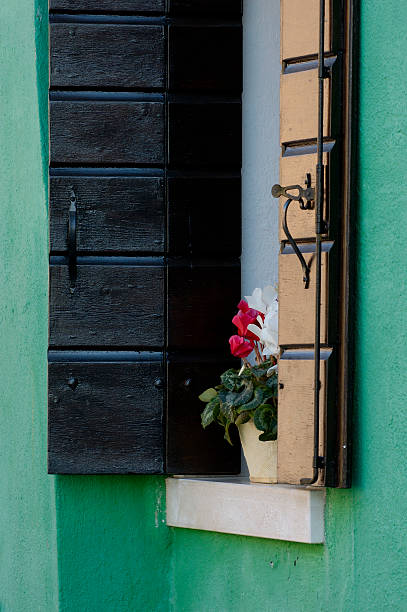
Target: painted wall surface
85 544
28 560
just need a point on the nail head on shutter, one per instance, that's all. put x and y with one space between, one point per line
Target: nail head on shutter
158 383
73 383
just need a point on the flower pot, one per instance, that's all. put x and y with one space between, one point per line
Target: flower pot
261 457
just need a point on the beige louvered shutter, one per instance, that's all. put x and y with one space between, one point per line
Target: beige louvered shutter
299 111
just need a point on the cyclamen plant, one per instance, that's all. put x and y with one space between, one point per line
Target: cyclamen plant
251 392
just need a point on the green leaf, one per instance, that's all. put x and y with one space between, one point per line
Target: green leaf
245 395
222 394
244 417
231 380
231 398
226 411
210 412
255 402
227 435
208 395
260 370
265 417
267 392
268 436
272 383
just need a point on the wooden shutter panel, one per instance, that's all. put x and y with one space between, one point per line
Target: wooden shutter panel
145 157
297 310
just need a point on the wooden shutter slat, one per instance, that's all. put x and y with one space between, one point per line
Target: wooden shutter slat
114 214
106 132
296 304
91 55
105 418
300 28
299 112
133 6
112 305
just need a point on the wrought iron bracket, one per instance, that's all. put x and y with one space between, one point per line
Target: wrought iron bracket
307 194
304 265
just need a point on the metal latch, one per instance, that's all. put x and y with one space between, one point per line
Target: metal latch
307 194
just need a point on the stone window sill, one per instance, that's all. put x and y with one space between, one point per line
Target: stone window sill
235 505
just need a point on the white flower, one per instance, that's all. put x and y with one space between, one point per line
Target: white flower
272 369
264 301
255 300
267 333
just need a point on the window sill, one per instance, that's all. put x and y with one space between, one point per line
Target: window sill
235 505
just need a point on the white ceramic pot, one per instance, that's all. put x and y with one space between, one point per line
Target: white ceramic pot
261 457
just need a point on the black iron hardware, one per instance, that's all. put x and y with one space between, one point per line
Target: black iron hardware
304 265
159 383
73 383
307 194
318 462
72 267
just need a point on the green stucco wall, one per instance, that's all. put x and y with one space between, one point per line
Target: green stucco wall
100 544
28 561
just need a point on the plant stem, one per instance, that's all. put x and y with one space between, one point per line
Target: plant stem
247 364
258 356
241 369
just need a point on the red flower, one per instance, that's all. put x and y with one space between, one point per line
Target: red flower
243 306
239 347
243 319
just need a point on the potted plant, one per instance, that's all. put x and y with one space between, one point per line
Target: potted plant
247 397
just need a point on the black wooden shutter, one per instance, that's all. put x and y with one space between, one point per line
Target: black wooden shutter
145 156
